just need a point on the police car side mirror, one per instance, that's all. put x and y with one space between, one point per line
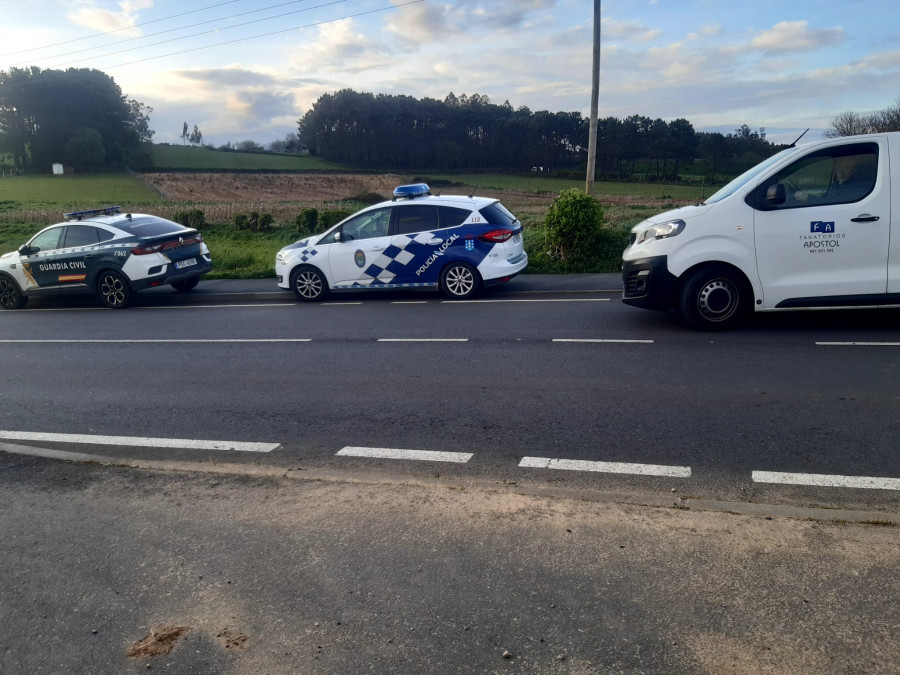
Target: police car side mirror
25 249
775 195
337 236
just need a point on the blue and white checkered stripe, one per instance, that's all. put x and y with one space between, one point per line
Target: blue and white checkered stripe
395 258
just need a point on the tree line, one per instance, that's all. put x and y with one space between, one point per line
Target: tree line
852 123
78 117
471 133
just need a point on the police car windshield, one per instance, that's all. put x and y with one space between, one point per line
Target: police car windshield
148 227
746 177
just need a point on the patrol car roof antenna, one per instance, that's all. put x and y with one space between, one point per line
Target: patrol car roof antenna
474 190
798 139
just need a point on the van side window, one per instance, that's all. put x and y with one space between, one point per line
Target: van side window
837 175
416 218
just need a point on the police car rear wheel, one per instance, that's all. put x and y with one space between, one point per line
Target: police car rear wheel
713 299
309 285
114 290
186 284
10 295
459 281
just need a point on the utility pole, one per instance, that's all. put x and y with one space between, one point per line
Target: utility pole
595 95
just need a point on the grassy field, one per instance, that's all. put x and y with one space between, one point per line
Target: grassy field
193 158
73 192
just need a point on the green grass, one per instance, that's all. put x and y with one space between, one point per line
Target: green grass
194 158
72 192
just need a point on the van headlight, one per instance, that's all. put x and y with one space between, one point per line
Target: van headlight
661 231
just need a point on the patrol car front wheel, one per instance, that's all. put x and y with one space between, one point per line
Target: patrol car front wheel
114 290
309 285
460 281
714 298
10 295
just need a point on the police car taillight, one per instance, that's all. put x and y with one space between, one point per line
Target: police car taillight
146 250
496 236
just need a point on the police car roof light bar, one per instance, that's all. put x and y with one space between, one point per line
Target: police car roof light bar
105 211
411 191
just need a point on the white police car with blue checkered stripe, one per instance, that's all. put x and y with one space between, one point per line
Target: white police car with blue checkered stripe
104 252
417 240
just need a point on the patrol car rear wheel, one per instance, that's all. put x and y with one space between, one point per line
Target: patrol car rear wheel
459 281
114 290
186 284
309 285
714 298
10 295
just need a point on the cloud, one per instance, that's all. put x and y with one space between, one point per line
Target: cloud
104 20
795 36
628 30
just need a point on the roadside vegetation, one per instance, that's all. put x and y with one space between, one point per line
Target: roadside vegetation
244 231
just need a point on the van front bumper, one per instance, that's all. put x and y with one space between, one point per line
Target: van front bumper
647 283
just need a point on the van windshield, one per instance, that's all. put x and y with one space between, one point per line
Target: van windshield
747 176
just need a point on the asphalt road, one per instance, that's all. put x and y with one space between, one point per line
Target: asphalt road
525 385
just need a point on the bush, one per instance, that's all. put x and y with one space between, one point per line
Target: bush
572 222
307 222
193 218
330 218
254 222
368 198
240 221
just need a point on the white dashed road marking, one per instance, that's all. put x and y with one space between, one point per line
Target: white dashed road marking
640 342
858 344
394 453
823 480
606 467
422 340
138 441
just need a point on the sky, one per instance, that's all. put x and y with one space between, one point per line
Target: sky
249 69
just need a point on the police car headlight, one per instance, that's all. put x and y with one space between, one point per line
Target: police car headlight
280 257
661 231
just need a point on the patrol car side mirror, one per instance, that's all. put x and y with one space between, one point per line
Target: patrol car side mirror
775 195
337 236
24 249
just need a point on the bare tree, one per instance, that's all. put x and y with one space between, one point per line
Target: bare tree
853 124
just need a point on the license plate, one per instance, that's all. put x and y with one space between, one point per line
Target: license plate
180 264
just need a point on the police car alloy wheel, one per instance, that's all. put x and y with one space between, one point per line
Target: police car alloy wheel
114 290
459 281
10 295
309 284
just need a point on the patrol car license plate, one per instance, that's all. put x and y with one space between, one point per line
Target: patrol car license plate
179 264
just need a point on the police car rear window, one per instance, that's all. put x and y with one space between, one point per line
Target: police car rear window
149 227
496 214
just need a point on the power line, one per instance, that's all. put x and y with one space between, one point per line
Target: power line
254 37
118 30
185 37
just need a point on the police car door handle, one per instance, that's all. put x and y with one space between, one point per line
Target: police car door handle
377 248
435 241
864 218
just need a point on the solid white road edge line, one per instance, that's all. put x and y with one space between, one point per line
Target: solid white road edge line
858 344
138 441
163 341
473 302
394 453
823 480
606 467
640 342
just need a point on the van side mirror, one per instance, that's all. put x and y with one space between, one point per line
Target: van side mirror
775 195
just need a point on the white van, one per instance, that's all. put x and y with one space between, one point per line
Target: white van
810 227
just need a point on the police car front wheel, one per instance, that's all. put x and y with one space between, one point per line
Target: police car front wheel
309 284
10 295
459 281
114 290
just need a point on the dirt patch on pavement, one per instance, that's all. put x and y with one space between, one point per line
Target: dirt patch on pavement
161 640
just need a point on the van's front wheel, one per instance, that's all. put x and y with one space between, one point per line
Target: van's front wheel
714 298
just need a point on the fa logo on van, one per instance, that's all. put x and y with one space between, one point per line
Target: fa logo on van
822 226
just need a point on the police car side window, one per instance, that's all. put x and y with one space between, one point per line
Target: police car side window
46 241
104 235
367 225
453 217
81 235
416 218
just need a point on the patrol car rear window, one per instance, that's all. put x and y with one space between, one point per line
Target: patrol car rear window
452 217
496 214
149 227
416 218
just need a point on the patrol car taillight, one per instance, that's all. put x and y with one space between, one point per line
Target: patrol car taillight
496 236
146 250
166 246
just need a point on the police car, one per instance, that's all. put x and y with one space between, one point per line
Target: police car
417 240
104 252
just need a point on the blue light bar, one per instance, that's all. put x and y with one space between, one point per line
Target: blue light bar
411 191
105 211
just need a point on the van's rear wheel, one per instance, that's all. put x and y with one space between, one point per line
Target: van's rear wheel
714 298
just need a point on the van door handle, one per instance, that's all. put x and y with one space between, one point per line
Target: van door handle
864 218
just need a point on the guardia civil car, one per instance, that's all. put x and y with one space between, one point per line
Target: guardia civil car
104 252
456 244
